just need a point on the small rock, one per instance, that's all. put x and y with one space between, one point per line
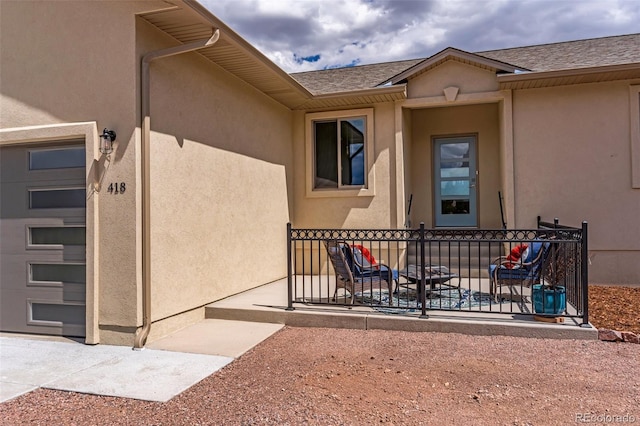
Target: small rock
627 336
609 335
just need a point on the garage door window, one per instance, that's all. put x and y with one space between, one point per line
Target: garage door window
57 198
58 273
56 314
57 158
67 236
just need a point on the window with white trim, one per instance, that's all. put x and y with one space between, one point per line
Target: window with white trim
634 109
339 160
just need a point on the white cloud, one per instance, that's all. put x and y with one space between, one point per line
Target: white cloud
344 32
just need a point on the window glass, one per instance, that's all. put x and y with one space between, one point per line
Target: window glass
326 150
67 273
454 151
450 171
70 235
454 187
66 314
57 198
343 163
352 139
455 206
58 158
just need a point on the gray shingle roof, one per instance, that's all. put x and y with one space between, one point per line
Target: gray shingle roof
351 78
594 52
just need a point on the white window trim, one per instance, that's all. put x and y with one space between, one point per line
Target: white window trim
634 125
368 190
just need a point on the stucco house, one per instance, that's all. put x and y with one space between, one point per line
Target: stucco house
216 149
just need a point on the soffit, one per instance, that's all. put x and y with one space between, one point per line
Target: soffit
355 98
535 80
189 21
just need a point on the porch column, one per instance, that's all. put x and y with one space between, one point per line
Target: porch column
507 157
399 159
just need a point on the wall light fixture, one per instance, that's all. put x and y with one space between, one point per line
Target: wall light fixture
106 141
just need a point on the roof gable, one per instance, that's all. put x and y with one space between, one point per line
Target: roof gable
452 54
467 78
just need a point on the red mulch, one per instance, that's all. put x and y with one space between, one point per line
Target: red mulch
615 307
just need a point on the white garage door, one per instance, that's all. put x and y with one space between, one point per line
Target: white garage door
42 239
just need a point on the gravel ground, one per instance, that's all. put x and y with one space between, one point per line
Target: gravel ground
615 307
335 376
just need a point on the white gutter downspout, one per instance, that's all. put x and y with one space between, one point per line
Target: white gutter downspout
143 333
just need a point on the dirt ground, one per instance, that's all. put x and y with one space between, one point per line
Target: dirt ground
354 377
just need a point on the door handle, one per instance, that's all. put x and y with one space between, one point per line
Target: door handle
472 181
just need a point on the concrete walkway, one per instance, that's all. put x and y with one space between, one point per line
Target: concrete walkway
164 369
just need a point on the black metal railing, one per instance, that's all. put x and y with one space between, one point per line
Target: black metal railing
442 269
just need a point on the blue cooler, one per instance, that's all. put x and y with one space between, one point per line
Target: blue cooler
549 300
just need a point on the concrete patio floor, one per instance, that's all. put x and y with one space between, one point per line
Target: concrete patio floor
268 304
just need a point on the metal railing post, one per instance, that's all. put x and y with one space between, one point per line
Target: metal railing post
585 276
423 271
289 271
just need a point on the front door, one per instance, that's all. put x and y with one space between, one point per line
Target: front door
455 176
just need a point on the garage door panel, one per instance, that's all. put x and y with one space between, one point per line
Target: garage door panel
21 271
60 293
54 199
43 314
60 161
43 239
72 254
19 237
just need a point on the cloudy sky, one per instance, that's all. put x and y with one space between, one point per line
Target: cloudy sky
303 35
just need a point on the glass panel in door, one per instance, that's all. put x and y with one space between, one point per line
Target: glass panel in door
455 177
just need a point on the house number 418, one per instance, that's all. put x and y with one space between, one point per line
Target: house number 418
117 188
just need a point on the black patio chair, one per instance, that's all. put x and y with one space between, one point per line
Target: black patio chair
351 277
504 272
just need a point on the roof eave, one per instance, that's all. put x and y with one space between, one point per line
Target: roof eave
355 98
238 57
569 76
242 43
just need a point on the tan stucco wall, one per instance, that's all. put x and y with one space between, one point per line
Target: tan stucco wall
480 120
355 212
69 62
220 151
467 78
572 161
361 212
